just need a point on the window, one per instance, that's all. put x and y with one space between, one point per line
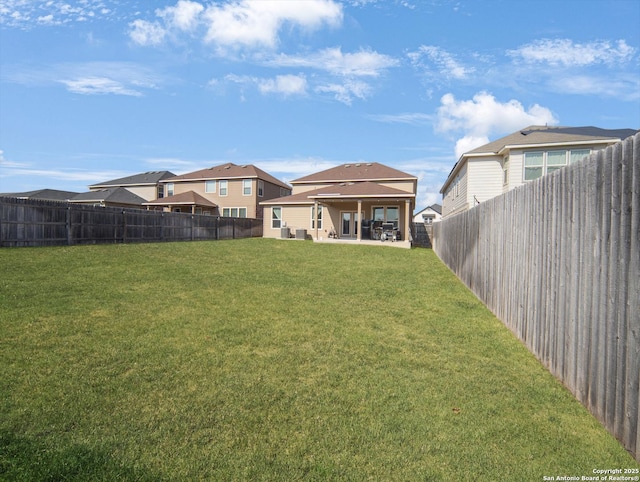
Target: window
276 217
578 154
234 212
284 192
393 216
533 165
210 186
223 188
313 217
246 187
556 160
537 164
169 189
505 170
260 188
387 214
160 193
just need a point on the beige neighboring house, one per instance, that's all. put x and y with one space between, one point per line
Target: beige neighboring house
428 215
358 201
227 190
145 185
509 162
117 197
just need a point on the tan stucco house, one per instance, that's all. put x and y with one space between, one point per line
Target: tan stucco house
513 160
227 190
359 201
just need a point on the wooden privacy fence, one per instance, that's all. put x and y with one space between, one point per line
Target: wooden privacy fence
50 223
558 261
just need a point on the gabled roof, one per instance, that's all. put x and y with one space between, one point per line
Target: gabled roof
541 136
228 171
190 198
43 194
359 171
145 178
434 207
359 189
116 195
348 190
544 135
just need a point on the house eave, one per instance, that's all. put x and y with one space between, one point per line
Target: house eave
338 181
552 144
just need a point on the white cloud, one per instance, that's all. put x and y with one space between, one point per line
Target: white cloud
285 85
26 14
183 16
236 23
365 63
98 85
121 78
626 87
566 53
256 23
147 33
483 116
445 63
282 84
346 91
411 118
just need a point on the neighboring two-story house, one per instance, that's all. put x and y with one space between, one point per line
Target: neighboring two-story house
509 162
227 190
428 215
146 185
351 201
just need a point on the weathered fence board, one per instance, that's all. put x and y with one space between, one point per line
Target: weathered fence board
558 261
50 223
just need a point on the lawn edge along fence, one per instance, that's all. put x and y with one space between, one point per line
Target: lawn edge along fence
31 222
558 262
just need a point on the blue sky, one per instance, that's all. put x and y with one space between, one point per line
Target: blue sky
92 90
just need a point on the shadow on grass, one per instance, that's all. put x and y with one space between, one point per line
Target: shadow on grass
24 459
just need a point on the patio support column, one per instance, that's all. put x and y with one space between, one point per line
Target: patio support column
407 218
359 223
315 217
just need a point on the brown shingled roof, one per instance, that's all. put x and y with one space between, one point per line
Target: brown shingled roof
228 171
187 198
347 190
359 189
359 171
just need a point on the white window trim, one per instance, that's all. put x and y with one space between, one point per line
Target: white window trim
545 160
250 187
238 212
170 189
226 187
206 187
320 210
273 219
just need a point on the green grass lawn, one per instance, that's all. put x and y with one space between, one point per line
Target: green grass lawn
264 359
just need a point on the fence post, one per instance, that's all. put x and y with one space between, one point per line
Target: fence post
68 225
124 226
